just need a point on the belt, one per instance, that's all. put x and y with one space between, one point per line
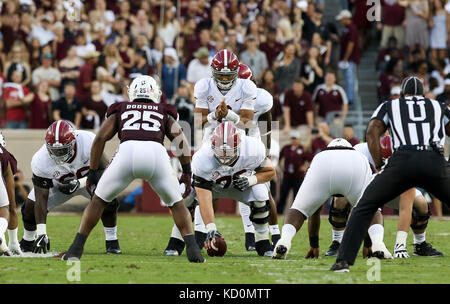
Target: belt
415 148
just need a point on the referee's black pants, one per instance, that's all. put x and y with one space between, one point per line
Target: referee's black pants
286 186
405 169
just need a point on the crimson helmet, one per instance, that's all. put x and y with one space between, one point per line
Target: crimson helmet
245 72
225 67
60 141
225 143
386 146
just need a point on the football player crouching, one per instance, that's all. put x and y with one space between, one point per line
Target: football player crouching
234 166
60 168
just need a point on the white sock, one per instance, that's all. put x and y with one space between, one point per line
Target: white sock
288 232
110 233
176 233
274 229
13 236
419 238
3 225
261 232
401 237
244 210
199 225
337 235
376 233
29 235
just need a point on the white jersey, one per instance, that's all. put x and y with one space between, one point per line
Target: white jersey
263 104
242 95
44 166
252 156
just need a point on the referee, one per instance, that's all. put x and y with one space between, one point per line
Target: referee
417 126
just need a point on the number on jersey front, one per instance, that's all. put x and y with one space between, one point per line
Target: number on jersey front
137 120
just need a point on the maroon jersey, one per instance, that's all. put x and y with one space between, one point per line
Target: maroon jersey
141 120
294 158
7 158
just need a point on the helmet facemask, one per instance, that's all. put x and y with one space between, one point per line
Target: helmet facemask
225 154
224 79
61 153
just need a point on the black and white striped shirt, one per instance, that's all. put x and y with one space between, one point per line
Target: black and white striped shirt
414 120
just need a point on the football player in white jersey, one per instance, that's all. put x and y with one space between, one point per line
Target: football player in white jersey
340 171
234 166
59 169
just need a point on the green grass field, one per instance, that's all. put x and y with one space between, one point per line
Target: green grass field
144 238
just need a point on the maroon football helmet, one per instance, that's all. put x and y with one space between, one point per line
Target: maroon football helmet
225 143
225 67
386 146
245 72
60 141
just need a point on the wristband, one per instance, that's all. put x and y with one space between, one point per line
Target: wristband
210 227
186 168
252 180
211 117
41 229
231 116
314 241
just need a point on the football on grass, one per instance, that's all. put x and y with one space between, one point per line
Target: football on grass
218 247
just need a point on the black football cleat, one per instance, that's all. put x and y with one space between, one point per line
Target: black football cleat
250 241
174 248
264 248
200 238
341 266
112 247
425 249
333 250
26 246
275 238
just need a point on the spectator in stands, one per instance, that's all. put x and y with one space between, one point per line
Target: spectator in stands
295 162
119 28
393 16
101 39
416 31
393 75
438 34
70 66
2 53
48 73
330 97
349 54
445 96
173 73
12 31
17 60
287 68
349 134
298 107
41 107
253 31
17 97
232 41
199 67
141 66
60 44
68 107
43 30
271 47
254 58
93 108
86 75
35 53
142 26
268 83
157 53
320 137
362 22
21 189
169 27
386 54
311 72
185 108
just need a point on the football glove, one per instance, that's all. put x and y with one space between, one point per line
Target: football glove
69 187
209 237
243 182
92 181
400 251
41 244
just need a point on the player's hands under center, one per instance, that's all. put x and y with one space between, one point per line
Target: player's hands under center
313 253
186 180
209 237
222 110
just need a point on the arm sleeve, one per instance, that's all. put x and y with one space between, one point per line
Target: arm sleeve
381 113
248 95
200 94
200 182
42 182
172 111
112 109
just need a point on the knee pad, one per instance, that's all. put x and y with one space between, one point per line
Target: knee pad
111 208
416 217
27 217
338 213
259 212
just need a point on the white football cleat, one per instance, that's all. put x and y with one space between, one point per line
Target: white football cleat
400 251
15 249
4 250
281 249
380 251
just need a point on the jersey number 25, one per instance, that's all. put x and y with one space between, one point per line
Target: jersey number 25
141 120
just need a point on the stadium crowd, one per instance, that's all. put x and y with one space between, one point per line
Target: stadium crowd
72 59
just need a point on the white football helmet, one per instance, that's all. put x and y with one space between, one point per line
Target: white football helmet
2 140
144 87
339 142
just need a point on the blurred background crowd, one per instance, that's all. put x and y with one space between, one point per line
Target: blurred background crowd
71 59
